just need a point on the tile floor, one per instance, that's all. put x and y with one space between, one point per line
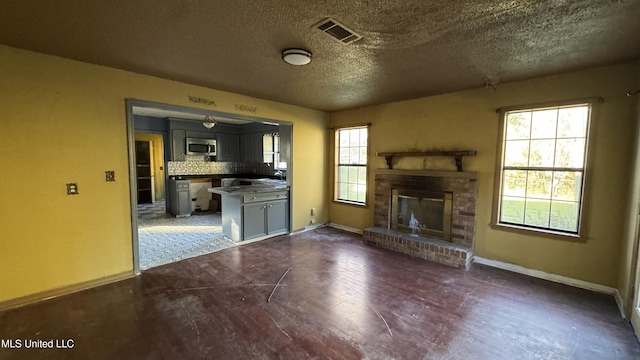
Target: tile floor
163 238
152 211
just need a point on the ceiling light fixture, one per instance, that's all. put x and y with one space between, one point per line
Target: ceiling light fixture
296 56
209 122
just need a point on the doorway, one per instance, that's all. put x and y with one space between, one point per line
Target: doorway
162 237
635 308
150 167
144 117
143 172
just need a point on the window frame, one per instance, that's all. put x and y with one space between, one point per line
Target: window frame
580 234
336 182
275 146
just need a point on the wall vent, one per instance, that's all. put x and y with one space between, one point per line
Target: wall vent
338 31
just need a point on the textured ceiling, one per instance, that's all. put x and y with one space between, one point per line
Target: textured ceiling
409 49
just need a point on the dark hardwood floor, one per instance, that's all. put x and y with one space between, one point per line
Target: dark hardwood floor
341 299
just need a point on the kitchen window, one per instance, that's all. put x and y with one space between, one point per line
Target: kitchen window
542 169
271 149
351 171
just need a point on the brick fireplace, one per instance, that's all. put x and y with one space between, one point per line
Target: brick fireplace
409 218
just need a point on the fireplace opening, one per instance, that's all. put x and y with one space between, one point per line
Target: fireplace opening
420 212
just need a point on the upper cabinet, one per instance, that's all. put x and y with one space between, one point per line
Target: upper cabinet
245 148
228 147
251 147
201 134
234 142
179 130
178 145
256 147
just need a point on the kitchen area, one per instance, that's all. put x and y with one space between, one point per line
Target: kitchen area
225 180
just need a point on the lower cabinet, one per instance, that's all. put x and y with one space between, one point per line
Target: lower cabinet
255 216
277 216
264 219
254 220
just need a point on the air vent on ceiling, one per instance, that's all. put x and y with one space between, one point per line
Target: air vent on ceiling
338 31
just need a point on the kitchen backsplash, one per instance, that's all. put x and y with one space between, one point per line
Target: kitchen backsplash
196 165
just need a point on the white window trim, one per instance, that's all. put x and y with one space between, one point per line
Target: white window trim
584 201
337 165
275 154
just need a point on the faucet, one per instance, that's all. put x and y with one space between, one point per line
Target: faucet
278 173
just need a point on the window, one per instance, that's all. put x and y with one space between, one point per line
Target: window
271 149
542 168
351 159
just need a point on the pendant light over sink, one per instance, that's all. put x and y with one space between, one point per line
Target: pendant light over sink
209 122
297 57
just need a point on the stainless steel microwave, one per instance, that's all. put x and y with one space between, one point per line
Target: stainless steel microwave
200 147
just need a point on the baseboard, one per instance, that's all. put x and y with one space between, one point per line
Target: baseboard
635 321
307 228
333 225
556 278
50 294
618 297
345 228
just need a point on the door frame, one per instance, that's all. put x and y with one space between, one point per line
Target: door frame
133 187
635 308
634 282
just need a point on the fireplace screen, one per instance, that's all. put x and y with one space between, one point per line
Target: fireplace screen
422 213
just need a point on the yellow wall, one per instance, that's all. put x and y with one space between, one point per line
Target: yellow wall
64 121
629 251
468 120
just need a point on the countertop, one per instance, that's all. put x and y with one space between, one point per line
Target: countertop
248 189
224 176
250 186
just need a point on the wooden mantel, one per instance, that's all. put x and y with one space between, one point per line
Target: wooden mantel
388 156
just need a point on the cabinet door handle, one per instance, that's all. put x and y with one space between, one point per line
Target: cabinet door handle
270 205
264 206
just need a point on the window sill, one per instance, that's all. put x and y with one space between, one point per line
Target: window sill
350 203
550 234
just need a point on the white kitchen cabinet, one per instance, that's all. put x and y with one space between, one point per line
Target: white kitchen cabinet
199 191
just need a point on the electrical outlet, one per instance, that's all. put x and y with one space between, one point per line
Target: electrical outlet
313 211
312 222
110 175
72 189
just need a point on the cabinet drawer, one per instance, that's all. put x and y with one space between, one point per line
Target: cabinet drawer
259 197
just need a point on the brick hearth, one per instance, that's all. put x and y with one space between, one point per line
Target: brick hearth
463 186
436 250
